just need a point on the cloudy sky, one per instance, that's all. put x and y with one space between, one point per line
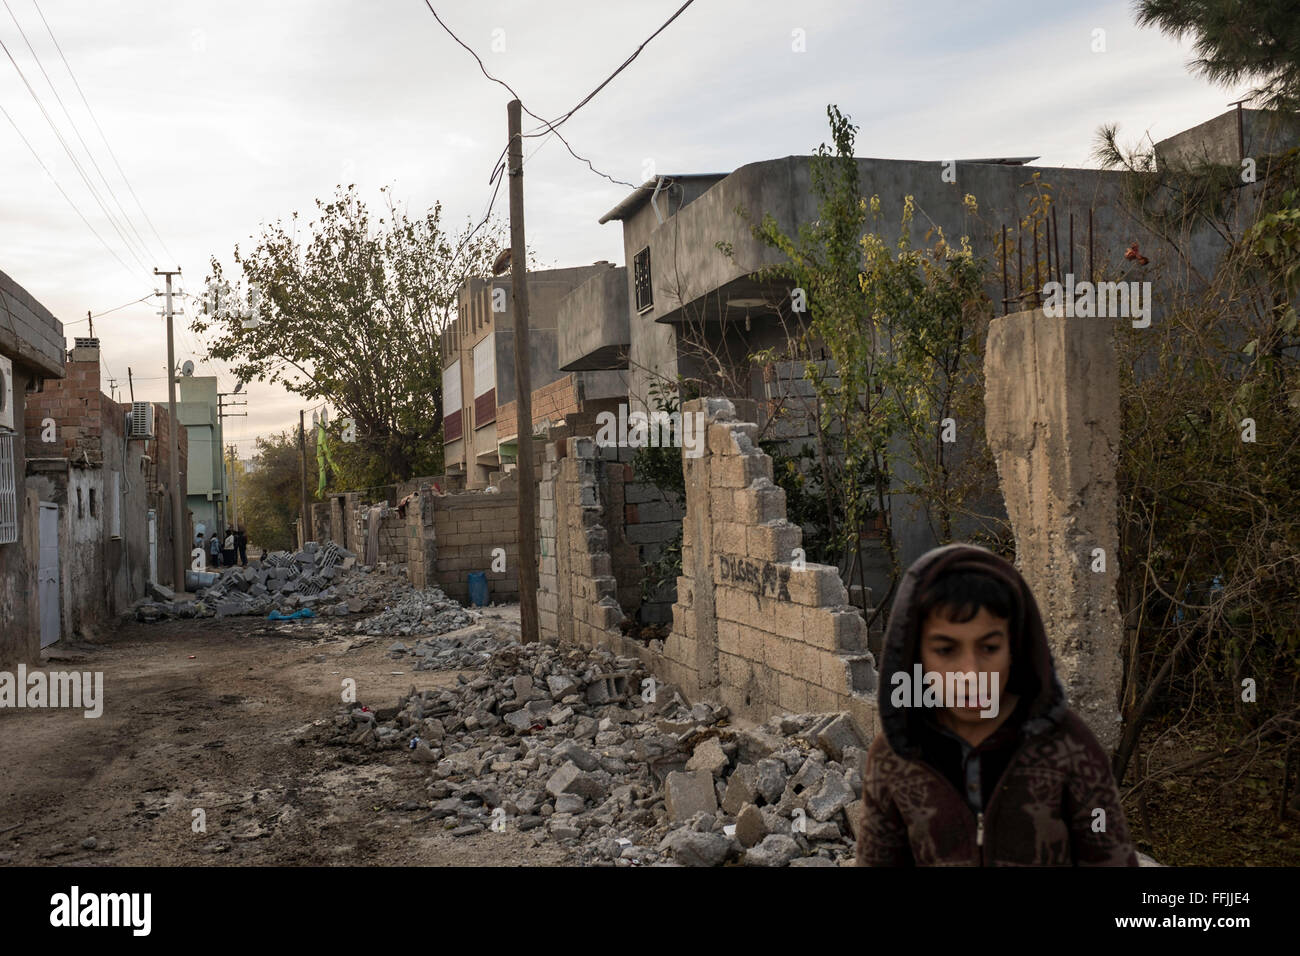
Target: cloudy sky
225 115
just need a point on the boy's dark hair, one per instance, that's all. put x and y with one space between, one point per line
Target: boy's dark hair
960 595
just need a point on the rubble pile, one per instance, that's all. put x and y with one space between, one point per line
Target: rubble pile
456 651
424 612
324 578
582 747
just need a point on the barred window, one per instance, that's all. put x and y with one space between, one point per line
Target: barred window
8 490
641 280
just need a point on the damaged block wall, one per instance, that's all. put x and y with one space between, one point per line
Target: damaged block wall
750 629
421 547
580 597
468 526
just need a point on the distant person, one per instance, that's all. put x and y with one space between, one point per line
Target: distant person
228 549
241 545
214 551
201 545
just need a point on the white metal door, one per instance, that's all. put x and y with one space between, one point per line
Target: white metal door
48 574
153 546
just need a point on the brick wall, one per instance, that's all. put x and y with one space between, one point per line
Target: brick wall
75 403
550 403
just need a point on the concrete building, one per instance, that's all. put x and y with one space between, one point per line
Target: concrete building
103 475
480 431
198 408
31 353
698 313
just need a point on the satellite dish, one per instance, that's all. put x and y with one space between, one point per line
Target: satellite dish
187 368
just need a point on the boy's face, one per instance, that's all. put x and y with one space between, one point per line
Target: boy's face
980 645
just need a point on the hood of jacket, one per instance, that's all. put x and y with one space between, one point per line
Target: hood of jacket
1033 674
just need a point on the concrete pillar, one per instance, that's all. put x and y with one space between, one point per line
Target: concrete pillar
1053 425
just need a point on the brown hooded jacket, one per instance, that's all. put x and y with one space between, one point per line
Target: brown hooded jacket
1043 811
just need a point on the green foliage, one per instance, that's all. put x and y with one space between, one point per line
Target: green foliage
269 492
350 310
1237 42
901 323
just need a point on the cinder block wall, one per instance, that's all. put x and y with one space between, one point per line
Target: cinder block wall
467 527
578 591
421 538
749 627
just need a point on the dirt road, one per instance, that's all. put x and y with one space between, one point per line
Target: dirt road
218 715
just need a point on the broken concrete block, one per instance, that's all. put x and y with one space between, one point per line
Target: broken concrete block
692 848
839 735
741 788
687 793
750 826
770 783
708 756
570 779
777 849
835 794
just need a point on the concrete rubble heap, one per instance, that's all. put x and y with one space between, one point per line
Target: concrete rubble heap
325 578
427 611
562 740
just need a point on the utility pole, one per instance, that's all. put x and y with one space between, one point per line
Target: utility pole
234 503
302 452
523 386
222 415
180 546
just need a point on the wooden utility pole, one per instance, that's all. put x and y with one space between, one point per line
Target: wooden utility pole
180 545
302 452
523 386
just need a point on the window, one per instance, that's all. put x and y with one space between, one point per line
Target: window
81 508
8 491
641 280
94 511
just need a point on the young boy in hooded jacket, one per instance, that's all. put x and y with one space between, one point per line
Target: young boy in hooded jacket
1015 779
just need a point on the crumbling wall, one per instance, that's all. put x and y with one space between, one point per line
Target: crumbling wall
421 538
752 627
1053 425
321 517
468 527
580 597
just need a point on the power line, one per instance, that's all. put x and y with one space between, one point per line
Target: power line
75 163
73 123
550 127
63 193
102 136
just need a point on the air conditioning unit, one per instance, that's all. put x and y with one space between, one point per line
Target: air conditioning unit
141 421
6 393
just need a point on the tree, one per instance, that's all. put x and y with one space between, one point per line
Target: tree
901 324
352 313
269 491
1237 42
